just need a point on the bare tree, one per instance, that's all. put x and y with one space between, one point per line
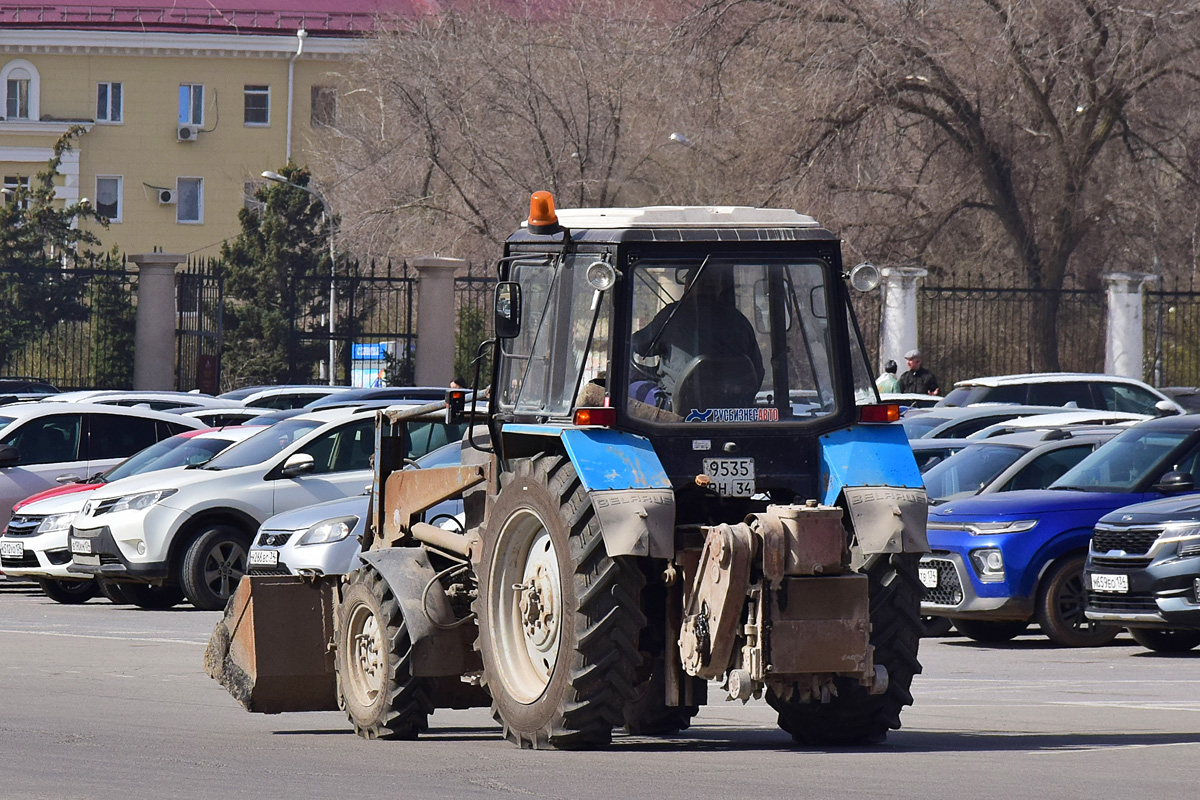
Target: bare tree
1049 137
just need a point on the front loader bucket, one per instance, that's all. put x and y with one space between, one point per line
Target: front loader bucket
273 648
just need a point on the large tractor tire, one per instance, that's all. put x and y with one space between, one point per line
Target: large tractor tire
991 631
213 565
1166 641
70 593
558 618
152 598
647 714
373 661
1060 604
854 716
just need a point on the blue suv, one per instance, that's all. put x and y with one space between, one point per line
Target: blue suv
1001 561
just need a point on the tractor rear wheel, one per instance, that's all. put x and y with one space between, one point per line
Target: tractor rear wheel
373 661
647 714
558 618
853 715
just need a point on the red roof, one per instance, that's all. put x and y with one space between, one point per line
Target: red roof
336 17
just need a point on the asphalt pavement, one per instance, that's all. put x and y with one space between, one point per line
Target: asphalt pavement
101 701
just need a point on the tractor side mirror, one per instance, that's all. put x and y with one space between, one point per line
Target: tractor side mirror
8 455
1175 481
508 310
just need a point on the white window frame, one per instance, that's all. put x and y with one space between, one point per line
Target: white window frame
199 200
256 89
119 105
120 196
35 88
191 107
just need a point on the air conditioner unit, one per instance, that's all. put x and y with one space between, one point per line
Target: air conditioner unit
187 133
166 197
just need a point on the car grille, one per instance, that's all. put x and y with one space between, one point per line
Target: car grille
1122 603
1120 562
1134 541
949 590
278 569
27 560
273 539
21 525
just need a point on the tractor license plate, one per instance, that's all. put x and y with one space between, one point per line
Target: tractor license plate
731 477
1110 583
12 549
928 577
81 546
264 558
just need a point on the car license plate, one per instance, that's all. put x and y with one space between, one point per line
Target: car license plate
928 577
731 477
81 546
264 558
1110 583
12 549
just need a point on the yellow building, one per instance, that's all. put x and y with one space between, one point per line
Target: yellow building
183 105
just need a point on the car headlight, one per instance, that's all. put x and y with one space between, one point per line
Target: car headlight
989 528
989 564
56 522
328 530
140 501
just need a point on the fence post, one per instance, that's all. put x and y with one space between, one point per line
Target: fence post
1123 349
898 326
436 323
154 328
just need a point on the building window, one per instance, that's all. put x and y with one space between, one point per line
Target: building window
258 105
108 102
20 82
108 197
11 184
191 104
324 106
16 97
190 200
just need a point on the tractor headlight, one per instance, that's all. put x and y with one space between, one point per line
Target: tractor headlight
989 564
328 530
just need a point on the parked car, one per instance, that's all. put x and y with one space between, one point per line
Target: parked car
189 532
241 394
1143 572
46 443
14 390
158 401
326 539
34 543
223 417
1060 420
907 400
1011 462
931 452
1073 389
1002 560
280 397
950 423
428 394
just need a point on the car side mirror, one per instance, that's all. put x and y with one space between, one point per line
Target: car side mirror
508 310
297 464
1175 481
1166 408
8 455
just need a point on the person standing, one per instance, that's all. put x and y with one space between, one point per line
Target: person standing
917 379
888 383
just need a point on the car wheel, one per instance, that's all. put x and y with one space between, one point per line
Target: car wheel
992 631
936 626
152 598
1060 605
69 593
212 566
1165 641
115 592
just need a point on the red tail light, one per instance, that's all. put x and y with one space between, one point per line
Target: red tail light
606 417
879 413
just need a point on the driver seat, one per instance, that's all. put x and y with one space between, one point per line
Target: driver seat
715 382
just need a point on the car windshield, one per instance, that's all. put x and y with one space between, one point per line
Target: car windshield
4 422
968 471
915 427
261 446
1123 463
173 452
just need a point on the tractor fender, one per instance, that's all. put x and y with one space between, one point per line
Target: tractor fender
624 479
437 649
869 470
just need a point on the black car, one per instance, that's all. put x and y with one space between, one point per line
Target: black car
1143 572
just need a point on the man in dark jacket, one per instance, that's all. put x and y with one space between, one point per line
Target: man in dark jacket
917 379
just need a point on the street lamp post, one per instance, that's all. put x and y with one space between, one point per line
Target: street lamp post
277 178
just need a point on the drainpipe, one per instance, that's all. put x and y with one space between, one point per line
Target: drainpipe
301 35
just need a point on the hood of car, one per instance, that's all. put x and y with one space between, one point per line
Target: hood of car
1027 503
1157 512
308 516
172 478
63 503
57 491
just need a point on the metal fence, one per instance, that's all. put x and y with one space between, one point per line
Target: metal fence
1172 334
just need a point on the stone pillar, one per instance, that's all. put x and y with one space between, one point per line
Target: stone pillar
898 322
154 334
1123 346
437 323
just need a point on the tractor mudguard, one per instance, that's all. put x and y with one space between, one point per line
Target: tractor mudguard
869 470
437 650
626 482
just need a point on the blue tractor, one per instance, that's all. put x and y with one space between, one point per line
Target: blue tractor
683 474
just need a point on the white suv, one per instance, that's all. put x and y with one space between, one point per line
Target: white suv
1069 389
